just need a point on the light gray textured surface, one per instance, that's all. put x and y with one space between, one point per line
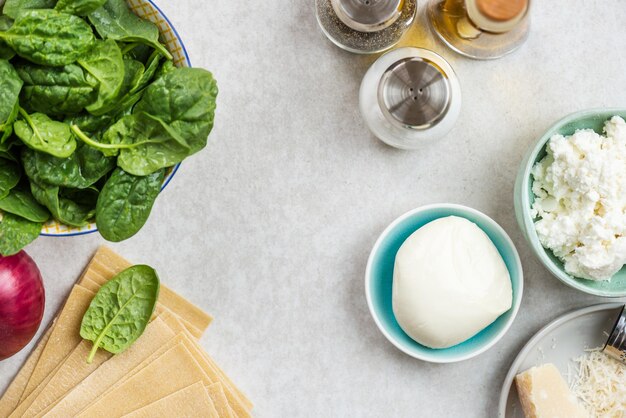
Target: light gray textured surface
269 228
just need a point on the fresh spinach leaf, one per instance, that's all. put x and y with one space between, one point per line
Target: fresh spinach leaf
12 8
152 65
105 63
171 121
78 7
6 151
114 20
56 90
41 133
80 170
16 233
10 87
72 207
138 51
89 123
22 203
133 72
125 203
157 145
182 102
165 67
48 37
184 99
5 50
121 310
9 176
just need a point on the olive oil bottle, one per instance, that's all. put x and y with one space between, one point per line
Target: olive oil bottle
481 29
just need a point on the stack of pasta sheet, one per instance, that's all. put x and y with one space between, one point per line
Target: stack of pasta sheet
165 373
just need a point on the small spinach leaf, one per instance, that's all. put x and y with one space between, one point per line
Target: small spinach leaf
48 37
125 203
121 309
16 233
56 90
22 203
5 50
105 63
10 87
78 7
184 99
12 8
9 176
70 206
89 123
114 20
80 170
133 72
41 133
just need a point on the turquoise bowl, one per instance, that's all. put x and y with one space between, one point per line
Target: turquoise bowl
524 198
379 281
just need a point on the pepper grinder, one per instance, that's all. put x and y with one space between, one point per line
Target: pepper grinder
481 29
616 344
410 97
365 26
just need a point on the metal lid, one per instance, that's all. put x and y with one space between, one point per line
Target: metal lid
368 15
616 344
414 92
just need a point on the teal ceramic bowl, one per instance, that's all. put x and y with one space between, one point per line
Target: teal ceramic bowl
524 198
379 281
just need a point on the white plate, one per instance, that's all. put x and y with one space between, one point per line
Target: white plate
559 342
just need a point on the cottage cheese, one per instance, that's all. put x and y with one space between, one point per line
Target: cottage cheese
580 189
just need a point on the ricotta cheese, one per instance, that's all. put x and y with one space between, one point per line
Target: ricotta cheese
580 200
449 282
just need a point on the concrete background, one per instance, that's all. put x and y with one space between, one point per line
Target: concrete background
270 227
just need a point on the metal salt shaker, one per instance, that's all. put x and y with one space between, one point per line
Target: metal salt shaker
365 26
410 97
616 344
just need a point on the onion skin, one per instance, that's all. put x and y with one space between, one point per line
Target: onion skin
22 302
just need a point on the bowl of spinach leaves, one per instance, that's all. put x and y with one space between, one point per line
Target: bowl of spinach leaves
98 107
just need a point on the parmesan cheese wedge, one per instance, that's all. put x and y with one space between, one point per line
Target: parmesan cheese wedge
544 393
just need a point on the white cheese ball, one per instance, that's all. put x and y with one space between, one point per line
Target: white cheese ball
580 189
449 283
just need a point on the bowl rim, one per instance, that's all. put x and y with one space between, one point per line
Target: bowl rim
176 167
526 221
532 342
516 302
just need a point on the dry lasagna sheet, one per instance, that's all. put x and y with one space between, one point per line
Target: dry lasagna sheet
164 373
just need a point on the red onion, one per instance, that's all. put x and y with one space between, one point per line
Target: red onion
22 301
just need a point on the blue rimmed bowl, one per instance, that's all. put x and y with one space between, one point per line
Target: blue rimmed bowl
148 10
379 282
524 199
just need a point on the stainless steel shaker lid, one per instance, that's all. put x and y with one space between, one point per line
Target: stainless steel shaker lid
368 15
616 344
415 92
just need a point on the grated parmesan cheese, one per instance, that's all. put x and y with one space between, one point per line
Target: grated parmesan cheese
601 385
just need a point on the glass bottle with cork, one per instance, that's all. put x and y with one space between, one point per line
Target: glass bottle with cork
481 29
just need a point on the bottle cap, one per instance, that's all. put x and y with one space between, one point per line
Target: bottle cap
368 15
415 92
616 344
497 16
